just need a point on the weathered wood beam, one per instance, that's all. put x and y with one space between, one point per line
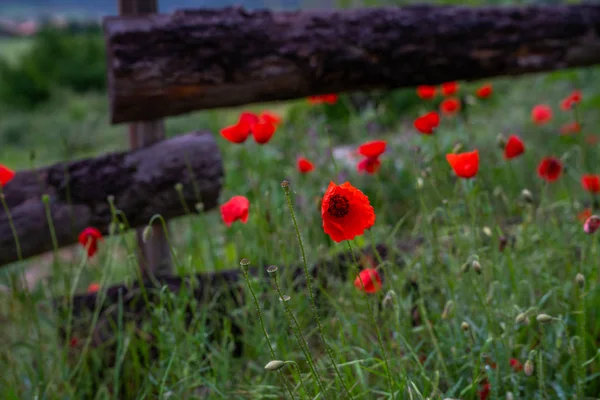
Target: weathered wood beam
141 182
169 64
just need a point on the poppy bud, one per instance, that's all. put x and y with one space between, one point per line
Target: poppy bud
544 318
447 309
179 187
521 318
285 298
526 196
487 231
199 207
580 280
591 225
388 299
501 141
528 368
285 184
465 326
476 266
274 365
419 183
457 148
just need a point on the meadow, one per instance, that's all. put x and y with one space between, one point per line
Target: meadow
497 299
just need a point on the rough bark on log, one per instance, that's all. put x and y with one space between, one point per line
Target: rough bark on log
141 181
169 64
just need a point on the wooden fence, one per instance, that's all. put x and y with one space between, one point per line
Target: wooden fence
164 65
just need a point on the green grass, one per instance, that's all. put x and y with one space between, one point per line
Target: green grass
433 360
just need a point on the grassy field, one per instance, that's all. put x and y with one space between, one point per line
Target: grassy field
495 279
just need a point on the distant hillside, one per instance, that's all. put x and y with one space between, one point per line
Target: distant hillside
17 8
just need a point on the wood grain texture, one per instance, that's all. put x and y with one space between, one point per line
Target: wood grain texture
141 182
169 64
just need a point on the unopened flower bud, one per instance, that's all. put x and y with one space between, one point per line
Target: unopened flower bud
528 368
526 196
501 141
179 187
419 183
476 266
580 280
447 309
591 224
244 262
544 318
272 269
521 318
274 365
487 231
465 326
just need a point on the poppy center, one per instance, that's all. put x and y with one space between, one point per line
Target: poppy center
339 206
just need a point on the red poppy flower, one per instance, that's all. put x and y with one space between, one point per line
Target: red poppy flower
592 139
549 169
323 98
239 132
516 365
271 117
426 92
427 123
484 91
571 100
263 131
369 165
370 279
372 149
346 212
584 215
93 288
235 209
591 183
591 224
484 392
89 238
465 165
514 147
6 175
541 114
449 88
450 106
572 127
304 165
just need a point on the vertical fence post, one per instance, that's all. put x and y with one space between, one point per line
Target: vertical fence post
153 256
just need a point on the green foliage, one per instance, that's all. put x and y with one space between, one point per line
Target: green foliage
55 60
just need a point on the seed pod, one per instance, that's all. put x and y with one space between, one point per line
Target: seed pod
526 196
274 365
465 326
476 266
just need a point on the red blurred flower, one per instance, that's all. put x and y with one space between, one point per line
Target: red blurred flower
369 165
571 100
549 169
514 147
263 131
449 88
93 288
484 392
465 165
235 209
450 106
427 123
516 365
484 91
323 98
571 127
591 224
74 342
541 114
591 183
6 175
269 116
346 212
304 165
372 149
89 238
592 139
426 92
239 132
371 281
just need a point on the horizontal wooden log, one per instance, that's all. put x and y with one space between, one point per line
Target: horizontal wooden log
141 182
169 64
